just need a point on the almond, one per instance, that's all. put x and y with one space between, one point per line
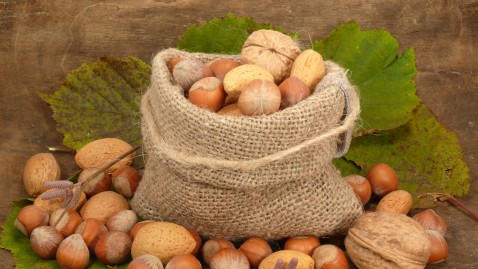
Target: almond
100 152
104 205
39 169
309 67
237 79
399 201
163 240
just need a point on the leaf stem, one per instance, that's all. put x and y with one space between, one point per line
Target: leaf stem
440 197
91 177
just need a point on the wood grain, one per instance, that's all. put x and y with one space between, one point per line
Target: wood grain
42 40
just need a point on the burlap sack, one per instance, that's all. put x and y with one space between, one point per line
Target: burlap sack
238 177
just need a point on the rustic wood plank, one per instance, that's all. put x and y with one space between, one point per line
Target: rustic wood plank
42 40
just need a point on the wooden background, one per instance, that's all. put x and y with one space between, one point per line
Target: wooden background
40 41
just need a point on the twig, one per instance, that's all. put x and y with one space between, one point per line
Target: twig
61 150
90 178
449 198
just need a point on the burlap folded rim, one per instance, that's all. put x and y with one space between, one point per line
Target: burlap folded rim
237 177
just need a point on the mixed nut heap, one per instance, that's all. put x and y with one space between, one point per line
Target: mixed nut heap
98 221
273 73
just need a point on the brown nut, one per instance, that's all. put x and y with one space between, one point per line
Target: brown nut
40 168
329 257
304 244
45 241
91 230
208 93
430 220
146 261
387 240
184 261
29 218
383 179
292 91
113 248
68 223
188 71
439 251
212 246
220 67
228 258
396 201
231 110
73 253
259 97
126 180
123 221
256 249
100 183
361 187
272 50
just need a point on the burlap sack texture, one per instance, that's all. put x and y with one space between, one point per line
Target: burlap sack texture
238 177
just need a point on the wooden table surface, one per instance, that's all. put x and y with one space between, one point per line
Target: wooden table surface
40 41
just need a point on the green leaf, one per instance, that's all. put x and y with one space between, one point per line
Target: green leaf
19 245
385 80
100 99
220 35
426 157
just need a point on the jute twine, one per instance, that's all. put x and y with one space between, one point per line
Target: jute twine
237 177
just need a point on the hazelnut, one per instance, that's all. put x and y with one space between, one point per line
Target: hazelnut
220 67
73 253
184 261
173 62
430 220
383 179
45 241
68 222
126 180
361 187
100 183
208 93
91 230
255 249
231 110
259 97
123 221
113 248
198 240
439 251
211 246
188 71
292 91
329 257
29 218
304 244
228 258
145 262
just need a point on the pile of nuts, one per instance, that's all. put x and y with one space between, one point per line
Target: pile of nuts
99 222
273 74
393 206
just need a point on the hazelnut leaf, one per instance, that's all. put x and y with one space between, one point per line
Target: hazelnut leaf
426 157
100 99
385 79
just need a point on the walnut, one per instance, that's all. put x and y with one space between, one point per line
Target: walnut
388 240
271 50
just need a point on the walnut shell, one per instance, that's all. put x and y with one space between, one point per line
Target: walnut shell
272 50
388 240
